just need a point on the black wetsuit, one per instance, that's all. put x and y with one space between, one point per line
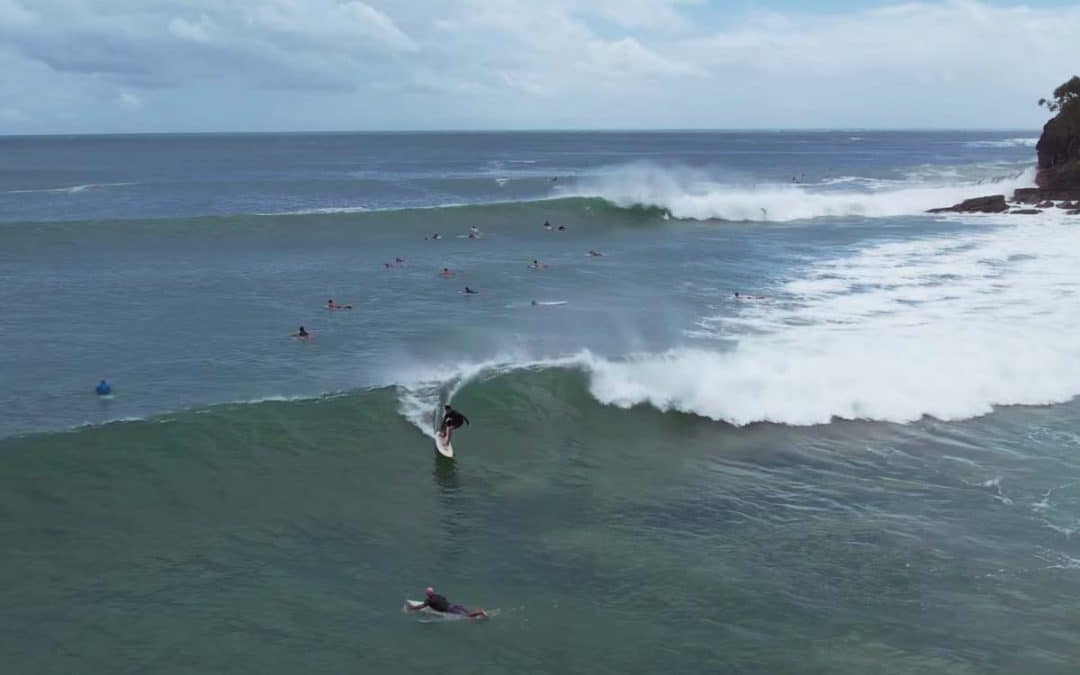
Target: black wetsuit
438 603
454 419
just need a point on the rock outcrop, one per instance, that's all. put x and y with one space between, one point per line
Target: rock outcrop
1058 176
991 204
1059 146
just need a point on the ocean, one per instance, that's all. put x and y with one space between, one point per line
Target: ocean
867 461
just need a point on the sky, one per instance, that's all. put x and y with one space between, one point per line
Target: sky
129 66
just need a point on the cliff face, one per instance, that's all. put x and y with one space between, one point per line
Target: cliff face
1058 176
1059 150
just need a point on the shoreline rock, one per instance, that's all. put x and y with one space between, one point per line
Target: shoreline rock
1036 195
990 204
1025 201
1058 177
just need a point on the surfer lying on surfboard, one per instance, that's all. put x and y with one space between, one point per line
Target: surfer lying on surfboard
441 604
451 420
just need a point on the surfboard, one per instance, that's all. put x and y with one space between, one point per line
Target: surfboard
444 448
429 614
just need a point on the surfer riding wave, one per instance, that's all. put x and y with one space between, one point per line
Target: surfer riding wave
451 420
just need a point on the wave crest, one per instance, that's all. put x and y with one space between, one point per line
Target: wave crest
690 195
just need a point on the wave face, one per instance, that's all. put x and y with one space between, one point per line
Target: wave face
695 195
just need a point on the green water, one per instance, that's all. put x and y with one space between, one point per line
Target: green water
283 537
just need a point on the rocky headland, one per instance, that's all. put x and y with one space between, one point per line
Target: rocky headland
1057 180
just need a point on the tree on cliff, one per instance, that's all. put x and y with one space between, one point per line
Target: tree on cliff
1063 94
1058 148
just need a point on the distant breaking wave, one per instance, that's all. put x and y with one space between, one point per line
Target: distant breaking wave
688 195
71 189
1005 143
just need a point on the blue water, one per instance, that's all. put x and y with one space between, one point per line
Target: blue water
863 463
125 177
150 260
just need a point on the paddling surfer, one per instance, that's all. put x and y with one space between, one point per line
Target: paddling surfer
441 604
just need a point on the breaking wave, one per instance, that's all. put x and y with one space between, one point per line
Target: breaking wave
1005 143
688 194
70 189
946 327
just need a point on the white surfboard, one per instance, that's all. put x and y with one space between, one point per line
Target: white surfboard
443 446
417 606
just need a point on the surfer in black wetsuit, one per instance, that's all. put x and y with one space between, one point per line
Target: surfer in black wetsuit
451 420
441 604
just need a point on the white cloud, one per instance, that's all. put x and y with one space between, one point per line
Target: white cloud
650 15
12 115
14 15
523 63
378 26
629 58
333 25
170 42
196 30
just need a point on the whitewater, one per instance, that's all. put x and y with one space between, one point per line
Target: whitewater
945 327
696 194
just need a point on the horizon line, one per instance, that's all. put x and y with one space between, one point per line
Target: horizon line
61 134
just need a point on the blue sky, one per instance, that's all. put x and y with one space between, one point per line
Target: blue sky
78 66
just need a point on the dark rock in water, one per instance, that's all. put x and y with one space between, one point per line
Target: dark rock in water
1046 204
1038 196
1026 212
990 204
1027 195
1069 205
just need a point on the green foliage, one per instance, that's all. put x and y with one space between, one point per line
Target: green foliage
1067 92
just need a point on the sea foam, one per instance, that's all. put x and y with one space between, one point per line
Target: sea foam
945 327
